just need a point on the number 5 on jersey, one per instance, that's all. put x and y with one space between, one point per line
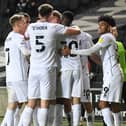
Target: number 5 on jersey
40 44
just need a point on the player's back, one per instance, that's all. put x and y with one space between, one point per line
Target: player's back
16 63
43 36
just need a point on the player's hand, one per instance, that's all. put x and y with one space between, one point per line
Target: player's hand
65 51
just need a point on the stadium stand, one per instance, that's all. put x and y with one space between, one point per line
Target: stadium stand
9 7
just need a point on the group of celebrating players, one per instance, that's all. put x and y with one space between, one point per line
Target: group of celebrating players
47 68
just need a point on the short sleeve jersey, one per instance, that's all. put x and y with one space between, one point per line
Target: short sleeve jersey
16 63
43 37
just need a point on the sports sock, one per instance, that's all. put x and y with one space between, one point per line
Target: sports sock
89 118
42 116
35 119
117 118
76 109
58 114
51 115
16 116
26 116
9 118
107 116
69 118
3 123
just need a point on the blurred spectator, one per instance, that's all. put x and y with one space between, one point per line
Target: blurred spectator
41 2
32 6
12 7
7 7
21 6
3 7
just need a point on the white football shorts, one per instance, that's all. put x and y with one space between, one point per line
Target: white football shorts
17 91
71 83
85 88
42 84
112 89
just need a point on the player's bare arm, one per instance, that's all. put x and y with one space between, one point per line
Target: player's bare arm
95 58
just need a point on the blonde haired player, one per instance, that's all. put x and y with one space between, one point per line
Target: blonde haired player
16 67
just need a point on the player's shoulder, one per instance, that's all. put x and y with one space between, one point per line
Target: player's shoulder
42 25
15 36
34 24
107 35
37 24
84 35
88 35
56 25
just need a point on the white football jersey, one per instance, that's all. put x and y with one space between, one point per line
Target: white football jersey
43 37
16 63
107 47
109 55
86 42
71 62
